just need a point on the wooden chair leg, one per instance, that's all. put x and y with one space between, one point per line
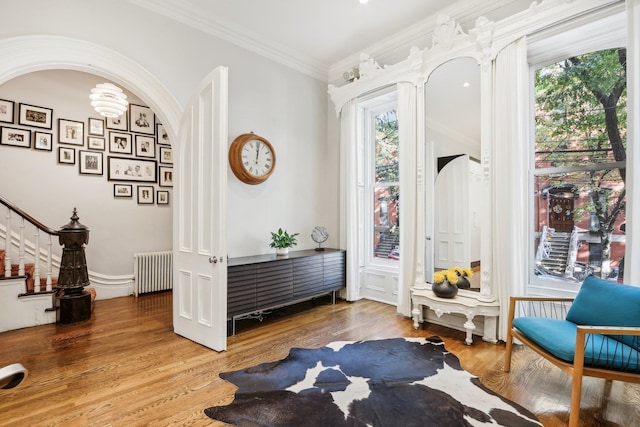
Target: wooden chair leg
576 392
576 383
509 341
507 353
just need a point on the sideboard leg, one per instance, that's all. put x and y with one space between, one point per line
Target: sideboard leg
470 327
416 313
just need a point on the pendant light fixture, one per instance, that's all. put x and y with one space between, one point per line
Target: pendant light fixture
108 100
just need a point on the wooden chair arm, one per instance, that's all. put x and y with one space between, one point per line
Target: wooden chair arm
513 300
550 299
608 330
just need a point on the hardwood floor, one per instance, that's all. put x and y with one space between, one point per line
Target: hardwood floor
126 367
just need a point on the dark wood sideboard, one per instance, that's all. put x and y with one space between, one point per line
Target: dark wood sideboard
266 282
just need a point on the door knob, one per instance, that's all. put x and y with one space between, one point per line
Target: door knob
213 260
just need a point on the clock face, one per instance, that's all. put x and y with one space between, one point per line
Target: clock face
257 157
252 158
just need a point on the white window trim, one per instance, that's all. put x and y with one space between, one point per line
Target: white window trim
376 104
605 29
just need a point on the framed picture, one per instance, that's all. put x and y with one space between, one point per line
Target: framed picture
120 143
90 163
161 134
96 126
70 132
145 194
39 117
66 156
141 119
15 137
128 169
166 176
166 155
162 197
122 190
117 123
145 146
95 143
6 110
43 141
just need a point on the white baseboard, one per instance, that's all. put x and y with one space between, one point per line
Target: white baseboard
108 287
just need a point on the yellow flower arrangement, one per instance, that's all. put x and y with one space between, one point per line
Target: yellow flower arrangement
451 275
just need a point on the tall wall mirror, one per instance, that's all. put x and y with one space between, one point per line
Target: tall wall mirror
453 139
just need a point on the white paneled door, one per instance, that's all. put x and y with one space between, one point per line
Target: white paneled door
200 178
452 239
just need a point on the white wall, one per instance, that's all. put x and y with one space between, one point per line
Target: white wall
49 191
282 105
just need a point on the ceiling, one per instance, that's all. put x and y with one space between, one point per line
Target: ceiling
310 35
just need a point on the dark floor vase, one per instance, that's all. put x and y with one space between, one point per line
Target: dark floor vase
445 289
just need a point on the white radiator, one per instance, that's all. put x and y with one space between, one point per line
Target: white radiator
152 272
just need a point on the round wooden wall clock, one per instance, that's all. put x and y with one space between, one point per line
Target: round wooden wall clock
252 158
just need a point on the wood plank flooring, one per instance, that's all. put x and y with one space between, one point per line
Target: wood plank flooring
126 367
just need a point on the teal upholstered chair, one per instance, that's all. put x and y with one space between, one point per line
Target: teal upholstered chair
596 334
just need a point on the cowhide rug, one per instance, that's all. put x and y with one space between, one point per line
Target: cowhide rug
392 382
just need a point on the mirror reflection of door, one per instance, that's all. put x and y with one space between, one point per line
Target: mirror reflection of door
452 101
561 212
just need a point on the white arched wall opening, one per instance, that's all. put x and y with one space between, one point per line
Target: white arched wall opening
38 53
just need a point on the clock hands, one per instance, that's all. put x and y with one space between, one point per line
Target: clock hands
257 151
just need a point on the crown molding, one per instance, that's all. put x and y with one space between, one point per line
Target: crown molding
245 39
418 34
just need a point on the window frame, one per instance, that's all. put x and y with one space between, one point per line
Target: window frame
546 48
370 109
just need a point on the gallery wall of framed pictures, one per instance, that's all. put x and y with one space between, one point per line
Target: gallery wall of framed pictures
132 151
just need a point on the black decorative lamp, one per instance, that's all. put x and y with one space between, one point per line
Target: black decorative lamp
73 303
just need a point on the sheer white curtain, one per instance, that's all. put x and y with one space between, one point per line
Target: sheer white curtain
407 125
510 148
349 196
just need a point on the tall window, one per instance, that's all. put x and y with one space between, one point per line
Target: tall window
382 180
580 167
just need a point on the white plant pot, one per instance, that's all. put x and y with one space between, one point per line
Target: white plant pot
282 251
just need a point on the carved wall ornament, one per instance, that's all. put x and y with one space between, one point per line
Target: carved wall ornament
484 38
368 66
445 32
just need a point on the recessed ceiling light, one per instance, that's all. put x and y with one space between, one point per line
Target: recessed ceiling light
466 84
364 1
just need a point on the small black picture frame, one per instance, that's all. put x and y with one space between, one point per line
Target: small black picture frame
117 123
141 119
145 146
165 176
166 155
66 156
96 127
95 143
43 141
162 197
15 137
123 191
90 163
32 115
145 195
120 142
70 132
7 109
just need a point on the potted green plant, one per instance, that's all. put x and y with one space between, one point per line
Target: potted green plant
282 241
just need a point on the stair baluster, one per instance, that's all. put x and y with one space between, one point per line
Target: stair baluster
17 241
7 246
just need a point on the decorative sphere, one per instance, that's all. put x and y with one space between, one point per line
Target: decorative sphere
319 234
